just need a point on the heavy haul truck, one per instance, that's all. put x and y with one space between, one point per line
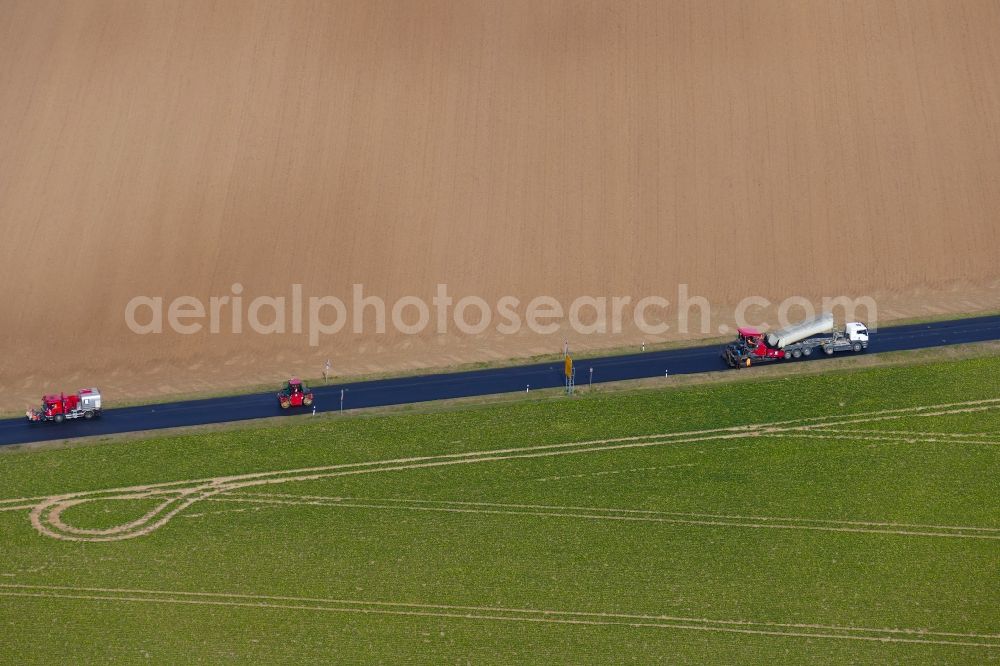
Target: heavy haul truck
753 347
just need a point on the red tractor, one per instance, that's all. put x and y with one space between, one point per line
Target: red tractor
295 394
58 407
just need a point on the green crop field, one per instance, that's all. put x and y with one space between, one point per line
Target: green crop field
845 517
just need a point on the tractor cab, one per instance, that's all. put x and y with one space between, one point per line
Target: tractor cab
753 341
856 332
51 404
749 336
295 394
54 404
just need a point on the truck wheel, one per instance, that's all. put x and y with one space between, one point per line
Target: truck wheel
59 418
88 415
828 350
856 347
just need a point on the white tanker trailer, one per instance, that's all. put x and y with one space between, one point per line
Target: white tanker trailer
796 341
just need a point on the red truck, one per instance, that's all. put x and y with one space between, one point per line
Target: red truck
57 407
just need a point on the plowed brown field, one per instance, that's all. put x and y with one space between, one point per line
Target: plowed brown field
519 147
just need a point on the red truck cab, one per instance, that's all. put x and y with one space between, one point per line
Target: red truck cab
53 404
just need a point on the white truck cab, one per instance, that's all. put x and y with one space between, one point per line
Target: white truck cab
856 331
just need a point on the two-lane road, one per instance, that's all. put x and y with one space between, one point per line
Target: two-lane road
402 390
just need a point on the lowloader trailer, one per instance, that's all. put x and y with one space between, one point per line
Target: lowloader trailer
753 347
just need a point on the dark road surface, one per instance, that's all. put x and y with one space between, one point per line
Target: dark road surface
463 384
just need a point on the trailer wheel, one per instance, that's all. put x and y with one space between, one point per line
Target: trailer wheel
807 351
88 415
828 350
797 353
59 418
307 401
285 404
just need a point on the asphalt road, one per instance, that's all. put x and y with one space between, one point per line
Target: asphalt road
463 384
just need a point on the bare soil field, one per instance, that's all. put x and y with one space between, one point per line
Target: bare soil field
504 148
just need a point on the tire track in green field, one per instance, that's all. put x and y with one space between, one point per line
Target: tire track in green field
46 513
503 614
623 515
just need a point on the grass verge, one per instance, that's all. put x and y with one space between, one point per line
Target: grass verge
856 533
